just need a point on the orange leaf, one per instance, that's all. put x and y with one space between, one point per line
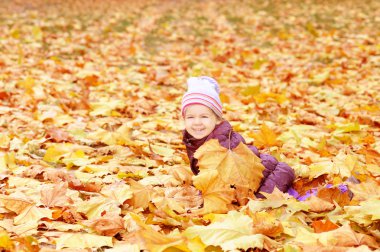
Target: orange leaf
334 194
323 226
265 138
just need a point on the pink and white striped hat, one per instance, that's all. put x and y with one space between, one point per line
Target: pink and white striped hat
202 90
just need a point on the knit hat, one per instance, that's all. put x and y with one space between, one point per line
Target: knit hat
202 90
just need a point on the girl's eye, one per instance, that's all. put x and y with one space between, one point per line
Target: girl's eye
204 116
189 117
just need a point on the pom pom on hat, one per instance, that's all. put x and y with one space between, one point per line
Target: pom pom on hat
203 90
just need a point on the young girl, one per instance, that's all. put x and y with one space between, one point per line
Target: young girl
203 116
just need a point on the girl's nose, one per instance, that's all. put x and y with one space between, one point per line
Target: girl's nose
197 121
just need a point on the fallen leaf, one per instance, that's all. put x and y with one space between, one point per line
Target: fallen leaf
266 224
232 233
235 167
265 137
323 226
343 236
334 195
216 194
14 204
32 214
319 205
82 240
107 225
142 195
55 195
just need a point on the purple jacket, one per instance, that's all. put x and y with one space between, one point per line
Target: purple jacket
276 174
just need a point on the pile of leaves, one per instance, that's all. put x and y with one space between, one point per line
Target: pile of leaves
90 127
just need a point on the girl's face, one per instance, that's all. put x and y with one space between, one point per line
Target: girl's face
200 120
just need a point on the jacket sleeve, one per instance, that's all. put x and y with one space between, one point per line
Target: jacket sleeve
276 174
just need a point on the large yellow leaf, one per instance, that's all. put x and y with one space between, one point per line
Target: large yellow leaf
234 232
80 240
235 167
216 193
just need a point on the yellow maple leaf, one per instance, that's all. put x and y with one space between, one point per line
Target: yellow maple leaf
265 137
234 232
81 240
235 167
32 214
15 204
95 207
216 193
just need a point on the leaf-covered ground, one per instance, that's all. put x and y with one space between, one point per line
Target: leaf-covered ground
90 127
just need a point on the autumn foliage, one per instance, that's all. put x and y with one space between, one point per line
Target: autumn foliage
90 128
